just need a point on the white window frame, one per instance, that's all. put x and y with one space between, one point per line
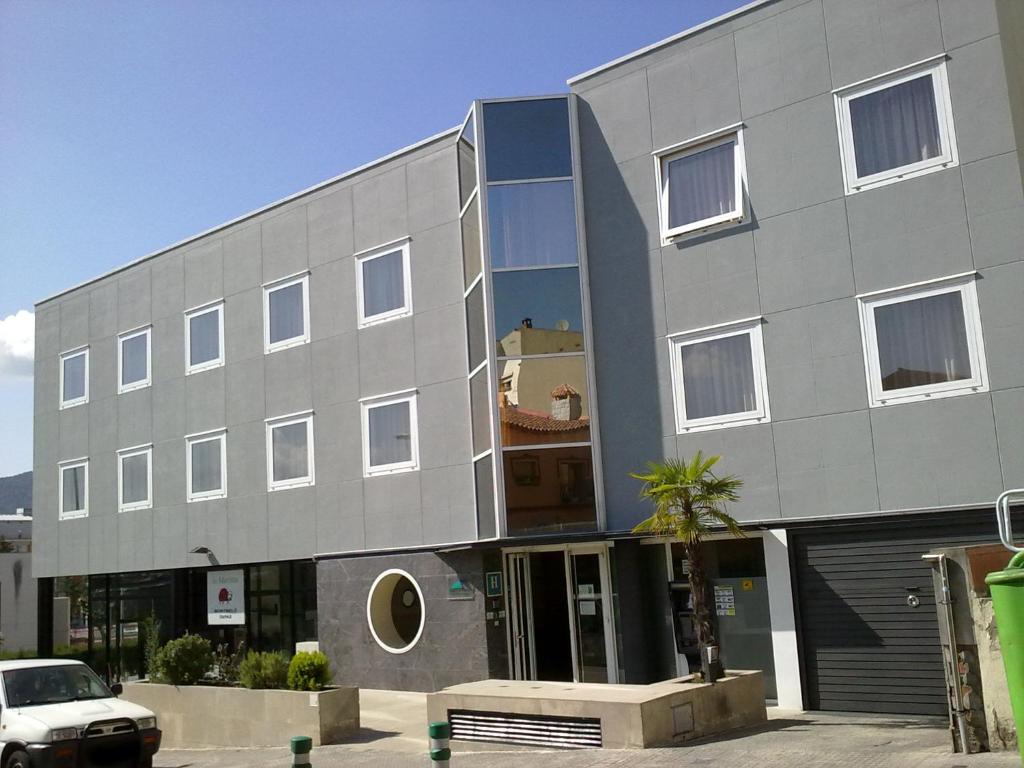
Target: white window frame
362 258
126 336
936 68
367 404
65 356
964 284
61 467
126 453
220 436
751 327
217 362
269 288
732 134
284 421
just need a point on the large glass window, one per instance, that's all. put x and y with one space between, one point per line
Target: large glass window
483 483
471 259
133 360
475 327
480 412
550 490
135 478
290 452
74 378
543 401
897 126
719 378
538 312
467 161
390 442
383 284
286 313
532 224
527 139
74 489
205 466
204 338
923 342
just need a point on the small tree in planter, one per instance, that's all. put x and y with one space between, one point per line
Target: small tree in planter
184 661
688 498
309 671
263 669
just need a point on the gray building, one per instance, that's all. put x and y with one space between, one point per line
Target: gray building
17 587
397 412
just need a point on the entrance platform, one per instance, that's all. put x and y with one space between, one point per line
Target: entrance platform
597 714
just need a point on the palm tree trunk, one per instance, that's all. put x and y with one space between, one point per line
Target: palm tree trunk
699 592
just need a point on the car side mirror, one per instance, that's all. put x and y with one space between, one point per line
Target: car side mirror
117 689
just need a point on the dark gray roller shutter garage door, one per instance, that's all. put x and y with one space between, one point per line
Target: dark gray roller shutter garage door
864 648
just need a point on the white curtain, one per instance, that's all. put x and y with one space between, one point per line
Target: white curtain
532 224
922 341
895 126
291 456
206 466
204 337
74 489
383 284
701 185
718 377
287 319
390 435
134 478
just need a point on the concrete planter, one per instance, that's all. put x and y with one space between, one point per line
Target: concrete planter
210 716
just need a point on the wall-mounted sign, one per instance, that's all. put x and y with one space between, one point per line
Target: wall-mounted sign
225 597
748 585
494 584
458 589
725 601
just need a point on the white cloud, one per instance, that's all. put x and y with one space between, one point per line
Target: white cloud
17 344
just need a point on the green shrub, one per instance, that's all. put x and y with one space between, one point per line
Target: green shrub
184 661
149 628
263 670
309 671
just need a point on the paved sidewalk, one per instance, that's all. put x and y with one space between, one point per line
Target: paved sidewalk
788 740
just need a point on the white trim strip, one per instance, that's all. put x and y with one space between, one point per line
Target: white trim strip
135 448
296 415
668 41
382 246
294 276
80 460
210 432
546 446
696 140
136 330
207 305
399 393
716 327
892 72
920 284
541 180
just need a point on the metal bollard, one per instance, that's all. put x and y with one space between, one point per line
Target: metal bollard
439 734
301 747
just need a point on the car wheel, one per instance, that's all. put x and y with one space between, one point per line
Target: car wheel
18 759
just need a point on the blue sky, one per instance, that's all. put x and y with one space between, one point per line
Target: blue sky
127 126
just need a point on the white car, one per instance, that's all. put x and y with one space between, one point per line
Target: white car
57 713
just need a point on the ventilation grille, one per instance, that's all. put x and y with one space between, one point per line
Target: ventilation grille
534 730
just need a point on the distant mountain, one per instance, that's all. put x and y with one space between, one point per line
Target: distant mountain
15 491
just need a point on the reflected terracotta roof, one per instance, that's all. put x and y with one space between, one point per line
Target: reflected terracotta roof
563 390
540 422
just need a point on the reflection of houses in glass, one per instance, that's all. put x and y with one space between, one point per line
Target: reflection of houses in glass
527 340
564 422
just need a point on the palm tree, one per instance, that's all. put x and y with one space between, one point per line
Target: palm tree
688 499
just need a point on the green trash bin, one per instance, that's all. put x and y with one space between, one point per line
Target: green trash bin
1007 588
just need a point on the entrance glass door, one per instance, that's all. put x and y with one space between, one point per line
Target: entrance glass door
524 662
589 616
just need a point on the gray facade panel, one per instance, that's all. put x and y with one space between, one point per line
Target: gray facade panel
995 209
329 223
243 325
917 444
964 23
436 265
283 241
134 298
244 391
204 274
387 361
243 264
1007 407
380 209
103 311
336 370
287 377
168 274
1000 294
332 298
981 104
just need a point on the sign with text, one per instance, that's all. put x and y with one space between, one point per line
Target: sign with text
225 597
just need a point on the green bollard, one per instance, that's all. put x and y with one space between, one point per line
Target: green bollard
301 747
1007 588
440 753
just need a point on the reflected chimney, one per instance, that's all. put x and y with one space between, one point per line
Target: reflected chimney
566 403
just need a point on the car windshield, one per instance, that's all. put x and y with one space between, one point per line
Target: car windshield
52 685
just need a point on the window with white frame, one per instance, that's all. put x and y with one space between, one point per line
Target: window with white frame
206 466
135 478
718 376
290 451
286 313
383 283
390 439
204 338
74 489
701 183
74 377
133 359
896 126
923 341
